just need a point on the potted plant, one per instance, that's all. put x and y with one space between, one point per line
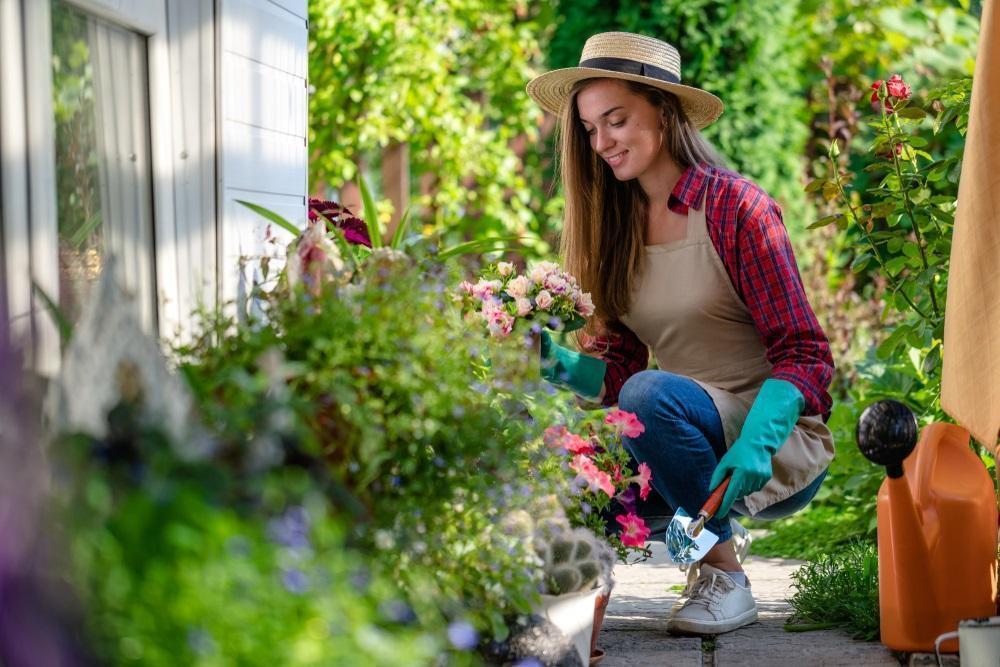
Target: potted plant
603 487
575 566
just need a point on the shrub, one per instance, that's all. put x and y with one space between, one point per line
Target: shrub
840 590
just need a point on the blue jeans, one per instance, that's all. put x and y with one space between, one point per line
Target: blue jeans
682 444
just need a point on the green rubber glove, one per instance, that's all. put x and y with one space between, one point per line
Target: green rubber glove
580 373
769 423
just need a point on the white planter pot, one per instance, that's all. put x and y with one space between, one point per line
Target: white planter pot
573 614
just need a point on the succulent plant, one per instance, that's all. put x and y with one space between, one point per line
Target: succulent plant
572 559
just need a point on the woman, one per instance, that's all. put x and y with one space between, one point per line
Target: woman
691 261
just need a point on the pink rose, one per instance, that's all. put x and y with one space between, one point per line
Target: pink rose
505 269
898 88
585 304
523 306
543 300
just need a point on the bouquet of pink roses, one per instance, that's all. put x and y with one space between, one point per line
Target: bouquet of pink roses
544 295
603 483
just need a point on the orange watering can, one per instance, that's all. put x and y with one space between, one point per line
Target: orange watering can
937 528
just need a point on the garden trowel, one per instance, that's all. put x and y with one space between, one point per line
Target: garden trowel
687 539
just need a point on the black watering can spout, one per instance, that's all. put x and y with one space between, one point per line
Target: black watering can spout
886 434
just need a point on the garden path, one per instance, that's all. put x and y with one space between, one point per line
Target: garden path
634 631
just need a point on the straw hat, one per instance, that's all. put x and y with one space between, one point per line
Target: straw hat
624 55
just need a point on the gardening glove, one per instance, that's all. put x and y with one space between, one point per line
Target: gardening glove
768 424
580 373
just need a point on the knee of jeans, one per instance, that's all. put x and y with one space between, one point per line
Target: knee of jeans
648 393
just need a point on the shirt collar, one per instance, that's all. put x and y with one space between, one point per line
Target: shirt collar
690 188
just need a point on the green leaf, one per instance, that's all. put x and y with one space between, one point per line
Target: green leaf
826 220
889 345
917 142
912 113
817 184
895 265
371 214
62 322
830 191
272 216
404 223
480 246
859 264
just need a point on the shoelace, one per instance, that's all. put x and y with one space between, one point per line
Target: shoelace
710 591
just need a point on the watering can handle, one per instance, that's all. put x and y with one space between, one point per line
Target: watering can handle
711 505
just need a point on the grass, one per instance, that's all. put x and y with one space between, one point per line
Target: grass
813 533
840 590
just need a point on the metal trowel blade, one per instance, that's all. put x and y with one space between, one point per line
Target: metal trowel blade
681 547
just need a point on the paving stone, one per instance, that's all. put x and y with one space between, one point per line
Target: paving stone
930 660
645 648
634 631
767 643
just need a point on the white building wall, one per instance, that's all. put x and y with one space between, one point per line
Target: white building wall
263 127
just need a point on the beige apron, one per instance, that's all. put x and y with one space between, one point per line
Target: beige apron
686 310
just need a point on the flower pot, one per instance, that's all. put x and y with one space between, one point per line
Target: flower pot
573 614
600 606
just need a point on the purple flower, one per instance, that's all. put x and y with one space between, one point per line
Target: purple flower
295 581
291 529
462 635
528 662
337 216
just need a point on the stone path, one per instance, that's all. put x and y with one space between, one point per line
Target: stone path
634 631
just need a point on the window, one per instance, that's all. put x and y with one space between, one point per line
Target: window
104 185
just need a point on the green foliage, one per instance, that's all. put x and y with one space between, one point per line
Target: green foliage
448 80
736 50
840 590
904 221
903 225
373 380
173 578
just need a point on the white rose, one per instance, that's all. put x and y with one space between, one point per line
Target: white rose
523 306
518 287
505 268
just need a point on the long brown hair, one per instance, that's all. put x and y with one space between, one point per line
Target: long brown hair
605 219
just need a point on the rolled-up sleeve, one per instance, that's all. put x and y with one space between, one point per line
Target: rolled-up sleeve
769 283
624 354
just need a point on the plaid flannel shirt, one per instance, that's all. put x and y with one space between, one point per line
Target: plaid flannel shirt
747 231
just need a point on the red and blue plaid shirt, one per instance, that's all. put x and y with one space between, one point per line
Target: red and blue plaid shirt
747 231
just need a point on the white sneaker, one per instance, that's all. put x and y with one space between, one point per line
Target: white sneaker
717 604
741 545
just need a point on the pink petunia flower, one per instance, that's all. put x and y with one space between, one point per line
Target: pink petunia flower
625 423
596 479
553 436
643 478
577 445
635 532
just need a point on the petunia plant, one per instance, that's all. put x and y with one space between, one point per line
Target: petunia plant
604 488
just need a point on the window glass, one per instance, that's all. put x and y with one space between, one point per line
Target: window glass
103 175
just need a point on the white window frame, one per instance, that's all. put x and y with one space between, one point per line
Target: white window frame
149 18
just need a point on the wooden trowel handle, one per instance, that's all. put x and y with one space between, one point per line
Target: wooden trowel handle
711 505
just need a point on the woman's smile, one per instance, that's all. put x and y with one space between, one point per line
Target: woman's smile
616 159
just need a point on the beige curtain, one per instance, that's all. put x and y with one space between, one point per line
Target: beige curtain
971 382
